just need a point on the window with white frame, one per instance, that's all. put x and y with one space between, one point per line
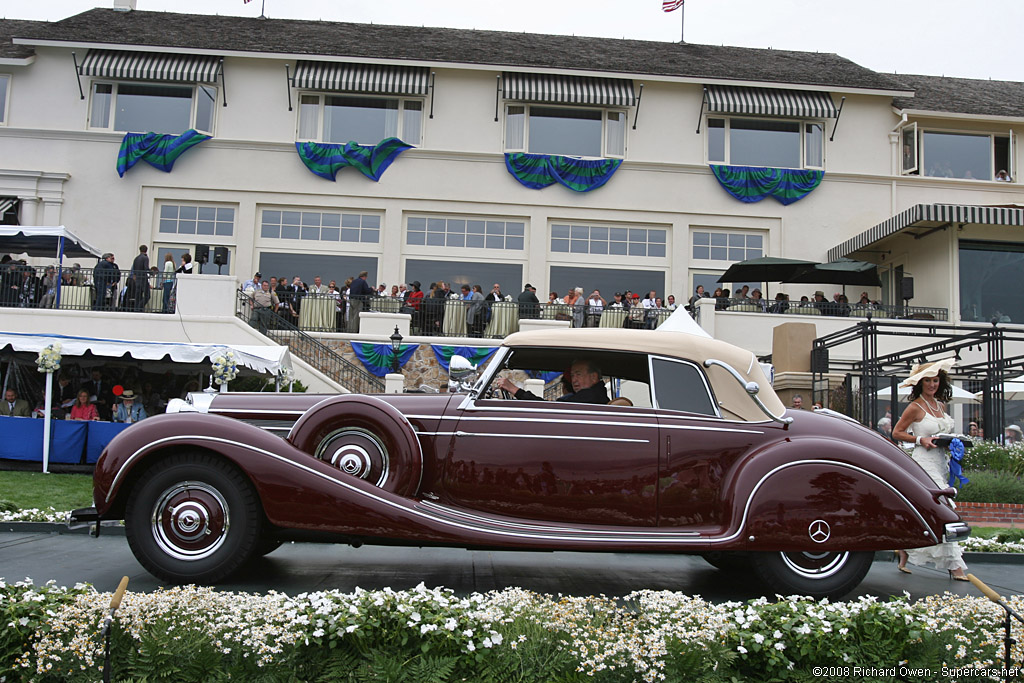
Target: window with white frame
726 246
471 233
577 131
776 143
195 219
141 107
574 238
5 84
320 226
958 154
366 120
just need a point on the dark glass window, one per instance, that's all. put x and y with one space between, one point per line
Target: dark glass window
991 281
680 386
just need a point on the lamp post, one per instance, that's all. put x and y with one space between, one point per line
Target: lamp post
396 346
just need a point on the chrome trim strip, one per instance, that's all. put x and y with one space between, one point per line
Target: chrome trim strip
441 508
668 538
542 436
257 411
607 423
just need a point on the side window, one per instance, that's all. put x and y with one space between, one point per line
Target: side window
680 386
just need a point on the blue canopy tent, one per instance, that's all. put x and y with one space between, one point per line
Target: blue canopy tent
45 240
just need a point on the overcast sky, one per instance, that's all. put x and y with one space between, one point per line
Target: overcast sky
934 37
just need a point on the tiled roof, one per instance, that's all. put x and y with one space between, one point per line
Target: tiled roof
16 27
963 96
491 48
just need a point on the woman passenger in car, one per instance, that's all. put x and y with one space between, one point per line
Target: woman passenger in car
586 384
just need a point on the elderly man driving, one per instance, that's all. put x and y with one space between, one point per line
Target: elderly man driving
585 377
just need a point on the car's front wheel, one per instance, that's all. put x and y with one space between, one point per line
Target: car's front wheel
819 574
193 518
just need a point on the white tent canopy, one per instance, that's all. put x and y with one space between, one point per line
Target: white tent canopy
264 359
903 393
44 240
682 321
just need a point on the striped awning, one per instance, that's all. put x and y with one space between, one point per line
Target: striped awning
6 203
150 66
728 99
362 78
930 216
558 89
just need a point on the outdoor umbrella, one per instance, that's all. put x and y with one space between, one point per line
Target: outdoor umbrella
765 269
903 393
842 272
1013 390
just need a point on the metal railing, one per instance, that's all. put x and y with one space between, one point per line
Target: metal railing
86 289
320 356
832 309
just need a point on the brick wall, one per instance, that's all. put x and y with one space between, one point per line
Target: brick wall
992 514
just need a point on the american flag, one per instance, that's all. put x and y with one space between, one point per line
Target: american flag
666 5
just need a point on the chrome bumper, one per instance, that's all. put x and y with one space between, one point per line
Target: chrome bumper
957 531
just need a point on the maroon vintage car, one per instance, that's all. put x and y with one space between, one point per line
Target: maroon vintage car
705 461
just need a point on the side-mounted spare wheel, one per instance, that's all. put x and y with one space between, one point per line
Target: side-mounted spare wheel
365 437
193 518
819 574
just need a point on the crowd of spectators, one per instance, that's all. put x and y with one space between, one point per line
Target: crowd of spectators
747 299
427 305
109 288
112 394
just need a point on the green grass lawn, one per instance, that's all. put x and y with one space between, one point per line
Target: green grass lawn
37 490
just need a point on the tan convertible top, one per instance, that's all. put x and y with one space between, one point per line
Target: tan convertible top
732 398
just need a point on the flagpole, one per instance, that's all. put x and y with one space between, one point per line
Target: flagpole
682 21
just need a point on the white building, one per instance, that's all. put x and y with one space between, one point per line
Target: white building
876 151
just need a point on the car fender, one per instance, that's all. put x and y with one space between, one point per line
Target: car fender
783 493
313 431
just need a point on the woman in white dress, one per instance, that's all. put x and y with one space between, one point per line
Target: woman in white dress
923 418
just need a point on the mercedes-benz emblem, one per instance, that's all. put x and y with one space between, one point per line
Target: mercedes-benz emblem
819 531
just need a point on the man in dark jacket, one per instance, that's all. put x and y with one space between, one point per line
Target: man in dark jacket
359 293
585 377
106 277
140 276
529 305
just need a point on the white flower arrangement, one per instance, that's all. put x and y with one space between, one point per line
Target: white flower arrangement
639 637
286 377
224 368
508 298
454 296
49 359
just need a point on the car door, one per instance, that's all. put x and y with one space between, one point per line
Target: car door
555 461
699 448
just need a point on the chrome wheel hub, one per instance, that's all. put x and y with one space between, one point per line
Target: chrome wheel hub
190 520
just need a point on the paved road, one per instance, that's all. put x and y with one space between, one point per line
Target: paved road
298 567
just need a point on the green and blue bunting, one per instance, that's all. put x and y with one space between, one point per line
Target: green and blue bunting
158 150
474 354
325 160
377 357
537 171
753 183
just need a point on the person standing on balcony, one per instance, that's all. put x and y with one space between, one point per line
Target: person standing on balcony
168 281
105 277
359 295
318 286
529 305
140 277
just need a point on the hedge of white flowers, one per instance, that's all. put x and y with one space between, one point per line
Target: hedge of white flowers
51 633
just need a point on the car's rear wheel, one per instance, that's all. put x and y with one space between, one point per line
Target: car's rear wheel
193 518
819 574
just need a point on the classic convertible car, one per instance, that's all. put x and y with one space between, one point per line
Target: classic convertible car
705 461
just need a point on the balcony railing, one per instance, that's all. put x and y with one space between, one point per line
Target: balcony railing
832 309
323 358
86 289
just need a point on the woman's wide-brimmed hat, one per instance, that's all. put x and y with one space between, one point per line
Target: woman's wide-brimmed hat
919 372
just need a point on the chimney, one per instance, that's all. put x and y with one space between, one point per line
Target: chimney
124 5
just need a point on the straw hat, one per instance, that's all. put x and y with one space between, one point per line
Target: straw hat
919 372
